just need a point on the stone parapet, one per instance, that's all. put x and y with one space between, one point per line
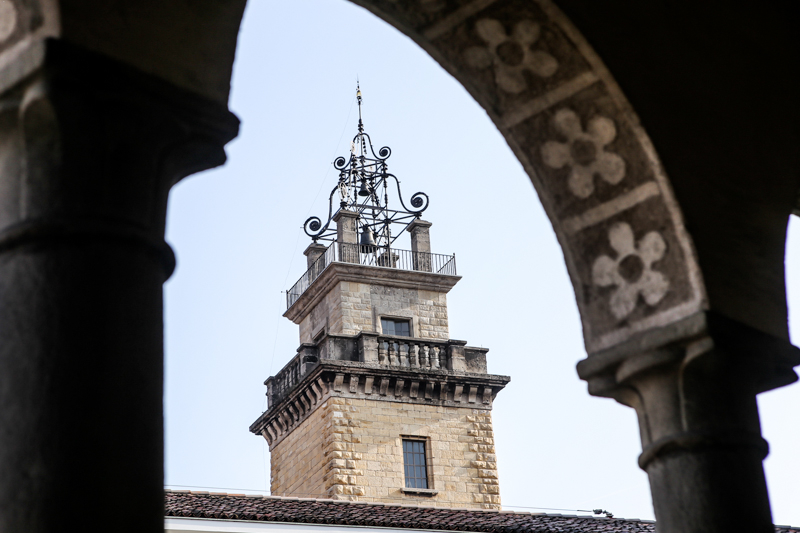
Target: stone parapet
290 375
377 351
353 379
365 275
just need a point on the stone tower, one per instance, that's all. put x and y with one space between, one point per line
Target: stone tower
379 404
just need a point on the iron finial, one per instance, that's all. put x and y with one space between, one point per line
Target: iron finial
358 97
364 187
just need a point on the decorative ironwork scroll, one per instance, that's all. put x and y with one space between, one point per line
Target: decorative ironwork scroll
364 187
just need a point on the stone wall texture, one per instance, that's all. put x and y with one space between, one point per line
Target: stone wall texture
326 315
297 462
352 449
351 307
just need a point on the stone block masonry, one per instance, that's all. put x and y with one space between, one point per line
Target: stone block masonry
339 410
351 307
351 448
297 462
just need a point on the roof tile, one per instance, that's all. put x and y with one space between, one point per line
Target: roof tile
341 512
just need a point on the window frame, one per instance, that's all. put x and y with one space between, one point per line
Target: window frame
426 455
396 319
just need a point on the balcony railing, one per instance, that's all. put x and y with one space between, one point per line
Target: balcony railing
375 256
386 351
413 353
279 385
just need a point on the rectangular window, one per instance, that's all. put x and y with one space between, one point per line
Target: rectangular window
391 326
415 465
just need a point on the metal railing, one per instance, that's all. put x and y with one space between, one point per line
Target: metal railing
377 256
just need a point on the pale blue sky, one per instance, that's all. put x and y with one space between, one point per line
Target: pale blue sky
237 235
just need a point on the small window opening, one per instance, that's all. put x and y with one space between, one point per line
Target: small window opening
415 465
400 328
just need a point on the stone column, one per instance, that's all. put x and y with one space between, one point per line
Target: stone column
696 403
347 236
367 347
271 386
421 244
89 149
314 252
309 358
315 267
456 360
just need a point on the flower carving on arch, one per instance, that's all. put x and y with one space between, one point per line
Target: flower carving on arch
631 272
510 55
584 152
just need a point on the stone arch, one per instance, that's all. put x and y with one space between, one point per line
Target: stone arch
565 118
630 258
137 91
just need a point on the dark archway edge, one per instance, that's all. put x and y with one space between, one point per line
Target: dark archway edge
713 89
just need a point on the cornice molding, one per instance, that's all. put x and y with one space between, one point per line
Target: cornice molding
389 277
351 379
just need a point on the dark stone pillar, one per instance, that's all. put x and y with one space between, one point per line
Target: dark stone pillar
89 149
696 402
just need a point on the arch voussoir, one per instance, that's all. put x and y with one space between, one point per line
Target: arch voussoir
592 164
653 344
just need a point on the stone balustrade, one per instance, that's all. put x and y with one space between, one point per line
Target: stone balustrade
413 353
279 385
378 351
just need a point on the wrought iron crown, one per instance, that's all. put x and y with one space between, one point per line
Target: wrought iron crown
364 187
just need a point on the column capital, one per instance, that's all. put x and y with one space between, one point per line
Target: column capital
89 149
767 361
693 386
100 145
314 252
418 223
344 213
314 248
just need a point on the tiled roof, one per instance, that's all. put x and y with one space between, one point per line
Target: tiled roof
308 511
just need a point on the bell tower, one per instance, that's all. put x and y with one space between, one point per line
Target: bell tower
379 404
